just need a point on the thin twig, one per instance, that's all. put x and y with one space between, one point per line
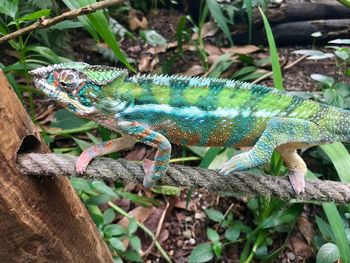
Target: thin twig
178 175
160 225
288 66
47 22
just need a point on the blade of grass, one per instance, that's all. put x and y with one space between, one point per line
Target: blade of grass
276 68
219 17
249 10
340 158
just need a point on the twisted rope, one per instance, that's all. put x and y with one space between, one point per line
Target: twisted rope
177 175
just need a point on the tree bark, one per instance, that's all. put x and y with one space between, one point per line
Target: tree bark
42 220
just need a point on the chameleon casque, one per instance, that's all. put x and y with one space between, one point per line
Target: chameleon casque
159 110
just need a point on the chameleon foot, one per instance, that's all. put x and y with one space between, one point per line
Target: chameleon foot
152 173
237 163
297 181
148 166
83 161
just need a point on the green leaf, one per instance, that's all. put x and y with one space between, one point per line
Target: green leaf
98 200
343 55
101 187
132 227
9 8
212 235
83 145
114 230
261 252
217 248
65 119
167 190
328 253
201 253
46 53
135 243
117 259
243 71
117 244
132 256
219 17
220 65
340 158
153 38
282 217
80 184
328 81
95 213
209 156
324 228
35 15
142 200
214 215
276 68
67 24
232 233
108 216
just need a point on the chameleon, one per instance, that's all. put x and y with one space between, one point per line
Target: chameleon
161 110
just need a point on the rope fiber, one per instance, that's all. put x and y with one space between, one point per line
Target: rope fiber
177 175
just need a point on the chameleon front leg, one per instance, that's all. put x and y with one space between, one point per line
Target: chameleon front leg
153 170
103 148
280 131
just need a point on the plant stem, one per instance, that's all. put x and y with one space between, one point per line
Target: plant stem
143 227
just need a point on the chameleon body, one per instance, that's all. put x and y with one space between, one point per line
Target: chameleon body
159 110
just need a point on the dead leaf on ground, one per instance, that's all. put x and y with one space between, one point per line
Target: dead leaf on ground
137 20
194 70
213 53
300 247
306 228
182 205
147 63
209 29
246 49
137 154
161 49
144 64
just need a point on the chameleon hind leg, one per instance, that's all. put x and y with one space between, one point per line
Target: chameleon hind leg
153 170
101 149
280 131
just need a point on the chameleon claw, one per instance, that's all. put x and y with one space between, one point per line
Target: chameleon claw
297 181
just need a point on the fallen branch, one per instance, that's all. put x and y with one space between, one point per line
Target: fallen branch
177 175
47 22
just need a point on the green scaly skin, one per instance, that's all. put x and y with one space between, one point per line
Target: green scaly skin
159 110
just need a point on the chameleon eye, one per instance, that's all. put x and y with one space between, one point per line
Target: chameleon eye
68 79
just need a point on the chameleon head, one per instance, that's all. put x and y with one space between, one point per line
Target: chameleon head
76 85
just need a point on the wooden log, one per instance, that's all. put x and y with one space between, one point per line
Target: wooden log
305 11
41 220
299 32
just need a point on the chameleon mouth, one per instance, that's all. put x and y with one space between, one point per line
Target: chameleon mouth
62 97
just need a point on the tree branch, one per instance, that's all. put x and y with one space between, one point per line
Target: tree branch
47 22
177 175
